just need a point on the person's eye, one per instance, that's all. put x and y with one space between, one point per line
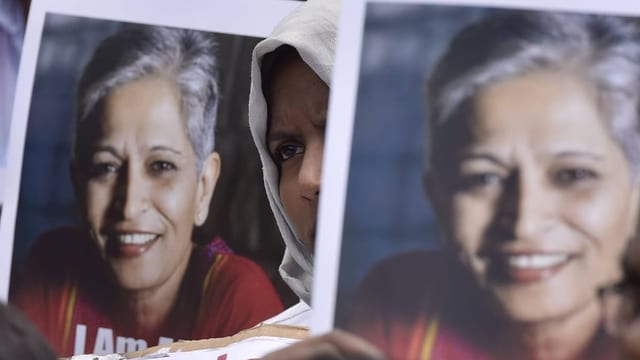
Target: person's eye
479 181
103 169
287 151
571 176
162 166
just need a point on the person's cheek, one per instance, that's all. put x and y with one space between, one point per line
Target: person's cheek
601 214
470 218
97 203
175 200
287 188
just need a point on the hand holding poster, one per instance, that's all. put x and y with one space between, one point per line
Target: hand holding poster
500 157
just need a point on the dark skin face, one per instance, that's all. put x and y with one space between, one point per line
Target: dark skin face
297 119
298 102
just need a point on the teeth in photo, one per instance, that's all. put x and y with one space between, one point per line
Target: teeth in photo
136 239
537 261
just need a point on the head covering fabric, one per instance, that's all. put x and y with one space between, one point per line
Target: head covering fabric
311 29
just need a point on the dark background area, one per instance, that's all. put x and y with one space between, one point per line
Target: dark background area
239 211
386 209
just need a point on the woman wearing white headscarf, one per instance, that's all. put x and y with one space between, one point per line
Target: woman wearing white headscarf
302 46
291 75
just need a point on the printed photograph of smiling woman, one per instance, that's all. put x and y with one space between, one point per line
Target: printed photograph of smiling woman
531 177
127 250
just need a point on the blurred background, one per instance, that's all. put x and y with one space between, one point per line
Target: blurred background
239 211
13 14
387 210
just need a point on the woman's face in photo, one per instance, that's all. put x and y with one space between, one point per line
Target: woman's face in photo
541 203
141 185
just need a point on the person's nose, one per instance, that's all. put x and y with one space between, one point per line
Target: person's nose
528 209
311 171
134 193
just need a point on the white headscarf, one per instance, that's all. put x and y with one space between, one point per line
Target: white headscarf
311 29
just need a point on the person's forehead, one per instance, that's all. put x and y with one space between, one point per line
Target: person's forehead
296 85
273 62
290 71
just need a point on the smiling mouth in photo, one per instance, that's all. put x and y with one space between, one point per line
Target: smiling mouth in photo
526 268
129 245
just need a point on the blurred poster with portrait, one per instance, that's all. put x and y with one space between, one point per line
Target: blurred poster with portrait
135 212
480 181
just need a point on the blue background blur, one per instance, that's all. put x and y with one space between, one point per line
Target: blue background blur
46 197
386 207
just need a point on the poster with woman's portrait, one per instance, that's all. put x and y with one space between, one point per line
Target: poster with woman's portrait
491 182
136 213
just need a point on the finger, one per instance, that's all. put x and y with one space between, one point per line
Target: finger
353 346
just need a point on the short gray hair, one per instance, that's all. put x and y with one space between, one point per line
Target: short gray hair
184 56
605 50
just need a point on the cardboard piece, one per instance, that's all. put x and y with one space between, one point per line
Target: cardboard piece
255 342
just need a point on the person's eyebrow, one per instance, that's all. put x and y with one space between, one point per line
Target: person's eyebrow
278 135
479 156
108 149
583 154
166 148
319 122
